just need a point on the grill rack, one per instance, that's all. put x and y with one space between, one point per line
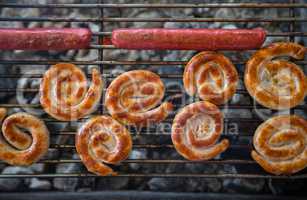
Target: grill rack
291 34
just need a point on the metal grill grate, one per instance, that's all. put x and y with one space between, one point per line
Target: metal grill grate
292 20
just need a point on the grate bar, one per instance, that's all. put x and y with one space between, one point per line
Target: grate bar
148 146
106 76
155 161
146 133
172 175
128 19
220 106
162 5
269 34
111 62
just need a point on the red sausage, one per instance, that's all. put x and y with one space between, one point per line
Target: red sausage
189 39
44 38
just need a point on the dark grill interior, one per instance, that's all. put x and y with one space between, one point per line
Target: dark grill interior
154 164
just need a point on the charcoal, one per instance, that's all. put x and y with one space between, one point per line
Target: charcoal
243 185
165 184
66 184
13 184
38 184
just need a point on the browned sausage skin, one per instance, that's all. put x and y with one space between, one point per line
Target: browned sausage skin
17 147
276 83
189 39
133 98
196 129
44 38
280 144
64 93
103 140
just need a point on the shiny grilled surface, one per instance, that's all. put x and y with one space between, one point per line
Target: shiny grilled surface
238 153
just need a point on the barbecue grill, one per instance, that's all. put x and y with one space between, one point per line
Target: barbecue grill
238 153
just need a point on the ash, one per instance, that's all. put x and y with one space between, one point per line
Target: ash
236 132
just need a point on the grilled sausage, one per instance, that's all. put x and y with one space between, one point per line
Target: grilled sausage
211 76
276 83
189 39
280 144
64 93
132 98
44 38
103 140
196 129
17 146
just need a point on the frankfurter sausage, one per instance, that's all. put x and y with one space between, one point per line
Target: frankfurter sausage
44 38
189 39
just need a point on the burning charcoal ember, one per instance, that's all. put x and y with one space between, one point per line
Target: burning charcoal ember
150 13
6 24
286 187
240 185
132 55
14 184
10 184
23 12
52 154
203 168
166 184
302 113
171 83
175 55
66 184
229 26
213 185
244 185
237 113
86 189
86 184
38 184
107 183
270 40
303 25
265 114
6 83
236 98
70 54
37 167
137 154
185 25
27 82
245 100
171 168
203 185
87 55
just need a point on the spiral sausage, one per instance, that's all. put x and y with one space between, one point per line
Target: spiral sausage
18 147
64 93
281 144
276 84
211 76
196 129
132 97
103 140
